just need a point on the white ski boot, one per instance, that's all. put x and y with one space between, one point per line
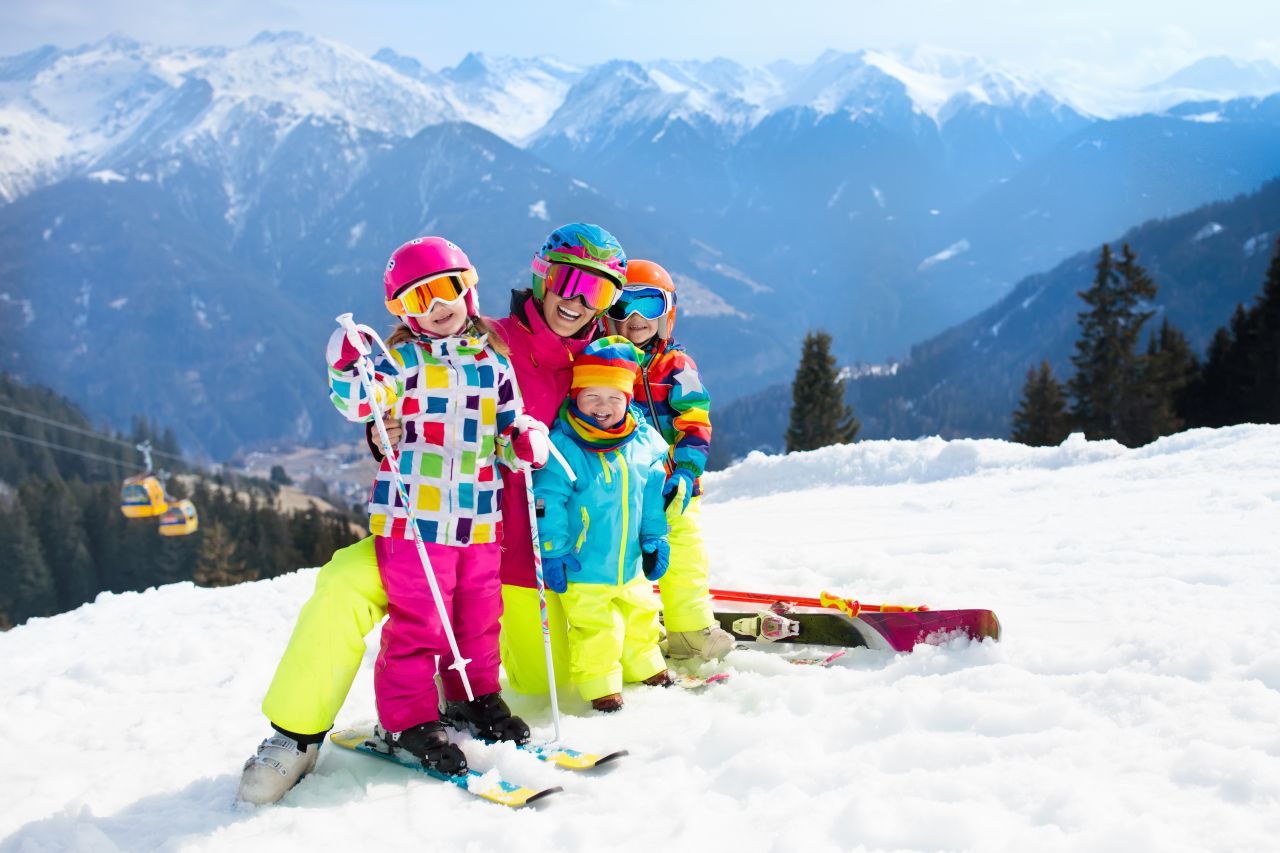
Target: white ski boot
278 765
709 644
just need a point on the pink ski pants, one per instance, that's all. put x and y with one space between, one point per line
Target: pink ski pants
412 638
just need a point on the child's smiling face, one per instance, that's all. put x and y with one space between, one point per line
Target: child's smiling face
639 330
605 406
446 318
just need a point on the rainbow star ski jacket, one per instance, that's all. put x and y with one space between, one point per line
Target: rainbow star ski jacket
457 399
676 403
615 502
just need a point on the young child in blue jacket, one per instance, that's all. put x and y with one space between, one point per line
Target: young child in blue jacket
604 534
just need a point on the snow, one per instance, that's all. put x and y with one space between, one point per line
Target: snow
107 176
1210 230
957 248
1132 704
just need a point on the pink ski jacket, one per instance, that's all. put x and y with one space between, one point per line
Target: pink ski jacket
543 362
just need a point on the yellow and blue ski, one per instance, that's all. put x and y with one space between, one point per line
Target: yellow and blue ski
502 792
569 759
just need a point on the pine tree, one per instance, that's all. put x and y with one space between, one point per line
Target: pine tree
1107 384
1041 419
1266 355
216 563
26 584
1170 368
58 521
819 414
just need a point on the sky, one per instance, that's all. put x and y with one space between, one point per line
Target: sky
1131 42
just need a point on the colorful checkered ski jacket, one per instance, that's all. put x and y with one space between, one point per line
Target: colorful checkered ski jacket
676 403
457 399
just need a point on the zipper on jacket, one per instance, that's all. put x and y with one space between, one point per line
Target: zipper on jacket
648 394
626 500
582 537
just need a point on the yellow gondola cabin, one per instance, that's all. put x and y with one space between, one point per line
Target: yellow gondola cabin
179 520
142 497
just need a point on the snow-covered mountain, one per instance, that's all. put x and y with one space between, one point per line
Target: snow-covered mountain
118 99
1131 704
882 195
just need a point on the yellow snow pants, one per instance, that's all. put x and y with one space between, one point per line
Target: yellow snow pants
613 635
686 600
520 643
327 645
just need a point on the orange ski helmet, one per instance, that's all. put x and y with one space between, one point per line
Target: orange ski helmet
650 292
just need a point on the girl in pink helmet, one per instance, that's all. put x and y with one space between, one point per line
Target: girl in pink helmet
452 386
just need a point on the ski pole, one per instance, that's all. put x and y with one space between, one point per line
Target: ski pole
364 366
542 605
542 586
564 463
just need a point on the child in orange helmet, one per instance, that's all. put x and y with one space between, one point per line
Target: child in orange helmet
676 403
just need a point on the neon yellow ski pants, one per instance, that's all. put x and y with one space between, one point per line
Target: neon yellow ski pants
327 645
686 599
613 635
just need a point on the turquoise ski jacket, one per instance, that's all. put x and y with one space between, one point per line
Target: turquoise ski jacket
615 503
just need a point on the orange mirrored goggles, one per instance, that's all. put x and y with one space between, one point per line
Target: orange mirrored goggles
419 296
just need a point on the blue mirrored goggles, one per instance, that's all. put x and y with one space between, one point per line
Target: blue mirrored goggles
651 303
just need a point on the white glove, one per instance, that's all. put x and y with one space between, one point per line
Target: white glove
531 444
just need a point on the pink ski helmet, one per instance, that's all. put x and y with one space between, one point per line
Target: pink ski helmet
427 257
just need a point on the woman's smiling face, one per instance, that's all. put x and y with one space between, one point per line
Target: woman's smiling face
565 317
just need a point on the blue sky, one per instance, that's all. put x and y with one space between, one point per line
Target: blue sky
1130 41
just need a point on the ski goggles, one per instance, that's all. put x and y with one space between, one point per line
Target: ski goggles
651 303
421 295
567 282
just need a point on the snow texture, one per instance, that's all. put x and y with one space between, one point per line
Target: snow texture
1133 704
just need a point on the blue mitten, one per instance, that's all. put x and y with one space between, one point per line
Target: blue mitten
555 571
655 555
672 486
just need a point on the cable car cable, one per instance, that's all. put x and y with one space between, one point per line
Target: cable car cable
92 434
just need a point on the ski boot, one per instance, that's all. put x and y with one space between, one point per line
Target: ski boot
608 704
660 679
429 743
276 767
711 643
487 717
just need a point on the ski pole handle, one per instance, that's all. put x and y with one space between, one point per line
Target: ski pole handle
353 333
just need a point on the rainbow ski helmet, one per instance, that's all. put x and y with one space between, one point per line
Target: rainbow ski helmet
645 275
426 257
579 244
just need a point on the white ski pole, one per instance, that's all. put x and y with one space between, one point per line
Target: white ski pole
364 366
542 587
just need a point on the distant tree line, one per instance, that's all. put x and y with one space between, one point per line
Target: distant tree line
1135 396
63 538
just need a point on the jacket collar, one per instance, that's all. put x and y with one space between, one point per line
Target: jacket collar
546 345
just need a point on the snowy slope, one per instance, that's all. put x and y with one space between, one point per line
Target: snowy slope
1132 705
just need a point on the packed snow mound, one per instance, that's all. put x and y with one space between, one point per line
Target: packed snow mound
1131 705
927 460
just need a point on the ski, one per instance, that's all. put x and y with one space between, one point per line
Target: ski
564 757
823 662
501 792
567 758
831 620
696 682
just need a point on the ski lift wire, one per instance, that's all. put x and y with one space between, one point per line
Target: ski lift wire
124 465
90 433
